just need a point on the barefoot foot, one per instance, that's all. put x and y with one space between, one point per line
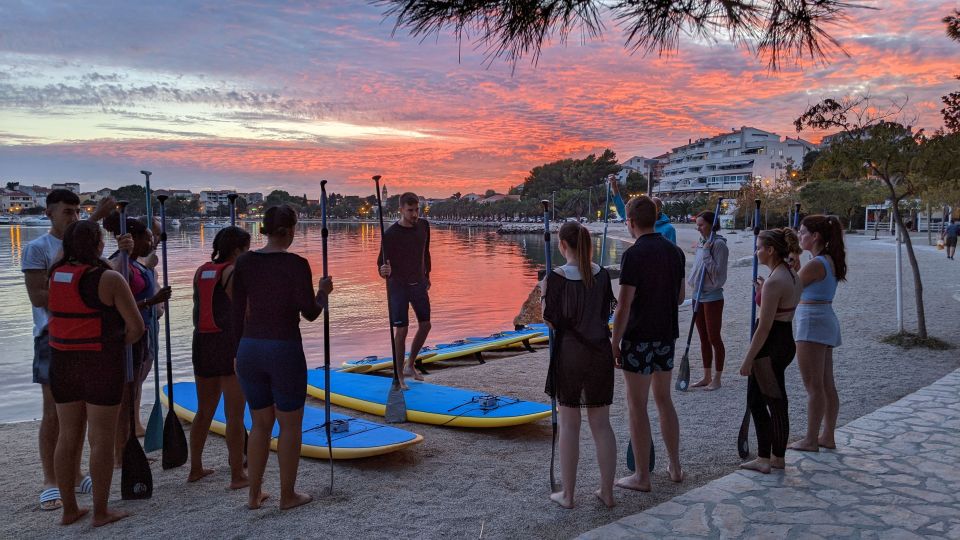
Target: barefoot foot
675 476
827 442
197 474
72 517
108 517
701 382
804 446
414 373
778 463
298 499
634 483
256 501
760 465
605 499
239 481
562 500
715 385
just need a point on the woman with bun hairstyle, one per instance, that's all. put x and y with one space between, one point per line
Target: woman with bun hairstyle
272 289
214 352
711 264
93 315
578 299
772 348
818 329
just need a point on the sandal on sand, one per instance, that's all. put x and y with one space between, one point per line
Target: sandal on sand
50 500
86 486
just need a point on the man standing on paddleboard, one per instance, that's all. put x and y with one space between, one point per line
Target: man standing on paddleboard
406 246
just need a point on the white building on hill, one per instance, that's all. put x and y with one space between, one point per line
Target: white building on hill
727 161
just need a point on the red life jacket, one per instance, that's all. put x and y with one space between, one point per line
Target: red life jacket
208 279
73 325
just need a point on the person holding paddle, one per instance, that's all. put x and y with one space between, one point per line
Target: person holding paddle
577 302
711 265
772 348
93 315
818 329
272 289
214 351
645 330
404 262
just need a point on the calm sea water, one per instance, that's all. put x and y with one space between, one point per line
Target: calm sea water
479 281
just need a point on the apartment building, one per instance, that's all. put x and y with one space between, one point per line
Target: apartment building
210 201
727 161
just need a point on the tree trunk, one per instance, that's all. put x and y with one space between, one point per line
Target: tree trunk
914 267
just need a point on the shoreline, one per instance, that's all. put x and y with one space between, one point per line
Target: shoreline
461 481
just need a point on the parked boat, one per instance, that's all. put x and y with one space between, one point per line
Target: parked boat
35 221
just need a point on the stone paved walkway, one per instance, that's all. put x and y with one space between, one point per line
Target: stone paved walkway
895 474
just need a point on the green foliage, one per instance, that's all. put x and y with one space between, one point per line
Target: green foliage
577 174
844 198
636 183
135 195
278 197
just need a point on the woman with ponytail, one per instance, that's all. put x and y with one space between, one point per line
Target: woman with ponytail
772 348
214 351
577 302
818 330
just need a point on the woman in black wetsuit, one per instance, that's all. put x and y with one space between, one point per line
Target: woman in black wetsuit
772 348
271 290
214 351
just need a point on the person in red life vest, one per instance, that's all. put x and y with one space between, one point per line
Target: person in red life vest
214 351
93 315
147 292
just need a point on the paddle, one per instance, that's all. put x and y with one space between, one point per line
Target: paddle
683 374
174 441
396 412
554 484
233 223
326 327
136 480
606 214
153 438
743 445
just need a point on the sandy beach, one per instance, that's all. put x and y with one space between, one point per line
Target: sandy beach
463 483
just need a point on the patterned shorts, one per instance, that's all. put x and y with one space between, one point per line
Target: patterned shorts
645 357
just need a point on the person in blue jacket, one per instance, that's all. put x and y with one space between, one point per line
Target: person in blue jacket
662 225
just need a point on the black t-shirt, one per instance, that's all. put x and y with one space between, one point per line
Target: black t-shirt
270 292
655 266
408 250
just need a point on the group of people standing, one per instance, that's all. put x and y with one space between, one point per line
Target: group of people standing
577 300
246 344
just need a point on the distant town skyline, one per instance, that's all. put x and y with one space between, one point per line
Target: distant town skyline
280 96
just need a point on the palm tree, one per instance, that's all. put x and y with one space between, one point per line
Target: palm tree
511 29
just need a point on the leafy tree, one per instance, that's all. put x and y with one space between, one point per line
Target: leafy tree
456 195
636 183
569 174
489 193
135 195
511 29
841 197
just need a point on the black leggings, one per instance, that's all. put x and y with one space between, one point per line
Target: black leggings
767 393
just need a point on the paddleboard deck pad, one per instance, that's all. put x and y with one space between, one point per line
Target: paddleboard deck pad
426 403
446 351
362 438
375 363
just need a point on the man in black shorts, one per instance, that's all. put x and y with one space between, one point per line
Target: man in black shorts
645 330
406 245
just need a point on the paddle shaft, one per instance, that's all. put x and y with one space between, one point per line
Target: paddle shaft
756 266
326 326
166 303
383 254
154 346
548 254
606 215
233 208
128 350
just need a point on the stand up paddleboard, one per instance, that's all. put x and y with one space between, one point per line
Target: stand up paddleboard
375 363
360 439
426 403
445 351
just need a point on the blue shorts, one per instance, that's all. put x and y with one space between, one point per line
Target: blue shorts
403 296
645 357
41 358
272 372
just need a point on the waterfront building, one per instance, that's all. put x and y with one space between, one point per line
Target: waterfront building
15 201
210 201
72 186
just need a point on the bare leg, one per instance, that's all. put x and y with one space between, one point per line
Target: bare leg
706 350
208 397
669 423
638 391
144 372
400 337
234 405
716 383
760 464
569 455
707 378
423 328
258 448
49 433
288 453
606 441
832 403
103 423
123 427
70 437
810 358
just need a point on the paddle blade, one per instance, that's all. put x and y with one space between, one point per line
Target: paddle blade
174 443
153 439
653 457
683 374
743 445
136 480
396 412
631 463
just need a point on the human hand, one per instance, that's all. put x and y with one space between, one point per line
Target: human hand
746 367
759 282
326 285
428 284
162 296
385 270
104 207
125 243
617 359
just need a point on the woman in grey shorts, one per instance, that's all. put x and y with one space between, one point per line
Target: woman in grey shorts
818 330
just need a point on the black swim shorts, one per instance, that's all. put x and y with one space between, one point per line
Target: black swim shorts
646 357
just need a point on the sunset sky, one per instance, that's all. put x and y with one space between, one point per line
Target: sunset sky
264 95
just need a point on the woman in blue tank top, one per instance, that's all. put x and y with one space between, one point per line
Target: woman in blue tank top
818 330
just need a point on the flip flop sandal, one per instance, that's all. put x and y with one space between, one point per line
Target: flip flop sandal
50 499
86 486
